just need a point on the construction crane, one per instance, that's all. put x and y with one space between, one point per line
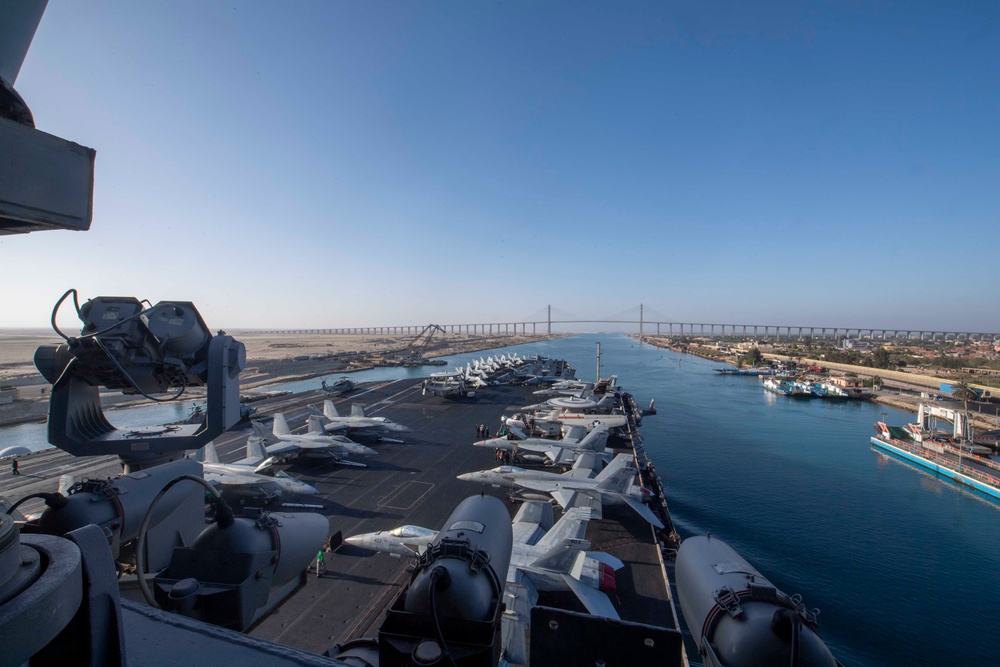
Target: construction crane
415 350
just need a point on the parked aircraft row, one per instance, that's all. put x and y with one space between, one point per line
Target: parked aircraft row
324 439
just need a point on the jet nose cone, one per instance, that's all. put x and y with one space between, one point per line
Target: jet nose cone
307 489
355 540
367 451
467 477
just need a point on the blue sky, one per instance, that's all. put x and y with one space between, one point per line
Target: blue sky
369 163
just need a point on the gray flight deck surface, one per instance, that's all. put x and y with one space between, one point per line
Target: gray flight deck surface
411 483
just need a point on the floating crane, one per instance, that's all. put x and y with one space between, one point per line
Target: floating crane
415 350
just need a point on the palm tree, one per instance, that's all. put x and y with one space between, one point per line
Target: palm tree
963 391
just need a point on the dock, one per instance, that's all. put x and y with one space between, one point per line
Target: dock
978 473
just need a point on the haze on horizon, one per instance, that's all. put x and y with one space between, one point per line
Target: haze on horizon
337 164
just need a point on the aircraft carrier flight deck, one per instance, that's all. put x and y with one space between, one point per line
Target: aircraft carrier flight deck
410 483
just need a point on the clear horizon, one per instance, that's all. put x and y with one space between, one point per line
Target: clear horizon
329 165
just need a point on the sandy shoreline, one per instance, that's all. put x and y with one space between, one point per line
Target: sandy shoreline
271 358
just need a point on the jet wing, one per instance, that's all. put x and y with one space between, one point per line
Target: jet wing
265 465
550 450
519 596
571 526
607 559
585 465
283 448
518 433
565 498
596 602
531 521
227 478
642 510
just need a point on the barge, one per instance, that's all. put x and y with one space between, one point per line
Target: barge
971 470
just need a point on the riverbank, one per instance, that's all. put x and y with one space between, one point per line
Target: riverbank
271 359
901 390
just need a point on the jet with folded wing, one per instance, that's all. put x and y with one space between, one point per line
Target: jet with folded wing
574 489
252 471
357 423
555 452
280 441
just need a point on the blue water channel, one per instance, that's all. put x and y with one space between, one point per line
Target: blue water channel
904 567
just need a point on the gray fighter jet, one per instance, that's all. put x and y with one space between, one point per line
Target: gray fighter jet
249 471
357 423
401 541
614 484
280 441
555 452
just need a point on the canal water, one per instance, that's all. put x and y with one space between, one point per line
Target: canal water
904 567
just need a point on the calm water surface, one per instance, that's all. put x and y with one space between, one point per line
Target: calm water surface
904 567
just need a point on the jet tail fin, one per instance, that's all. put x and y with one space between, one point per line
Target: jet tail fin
281 425
267 436
65 483
618 481
330 410
316 425
209 454
595 441
255 449
562 556
617 475
596 602
357 410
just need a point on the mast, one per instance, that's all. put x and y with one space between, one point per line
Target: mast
598 379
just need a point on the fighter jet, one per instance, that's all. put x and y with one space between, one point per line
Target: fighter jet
556 562
555 452
249 471
280 441
358 423
401 541
573 489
